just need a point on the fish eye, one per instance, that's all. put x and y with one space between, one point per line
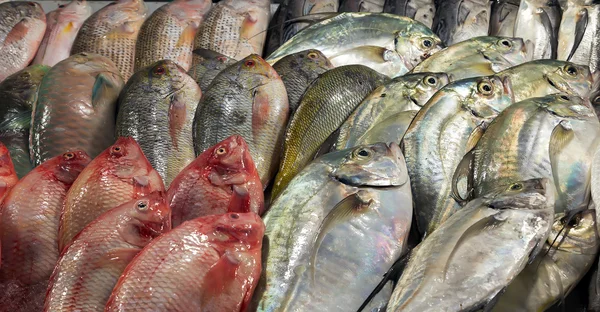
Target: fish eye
427 43
363 153
62 5
564 97
571 70
506 43
485 88
234 216
142 205
249 63
430 80
312 55
159 71
116 150
597 99
221 151
516 187
68 156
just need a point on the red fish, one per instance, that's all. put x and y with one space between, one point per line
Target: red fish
119 174
211 263
222 179
8 175
90 267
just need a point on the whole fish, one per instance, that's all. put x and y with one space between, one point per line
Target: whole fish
458 267
248 98
420 10
298 71
568 254
390 43
8 176
443 131
340 224
579 33
504 15
207 66
119 174
479 56
210 263
164 96
88 270
169 33
30 220
236 28
375 6
222 179
63 24
76 107
543 77
112 32
323 109
537 21
406 93
22 27
562 136
18 94
459 20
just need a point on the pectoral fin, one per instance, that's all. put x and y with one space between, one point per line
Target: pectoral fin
218 278
21 121
561 136
102 85
550 31
580 26
187 35
464 176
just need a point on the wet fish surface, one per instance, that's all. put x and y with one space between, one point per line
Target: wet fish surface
459 20
420 10
504 15
207 65
538 22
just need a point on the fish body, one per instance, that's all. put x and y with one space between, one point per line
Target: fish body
374 6
8 176
457 267
168 34
459 20
390 43
323 109
88 270
112 32
236 28
420 10
504 15
406 93
164 96
222 179
210 263
207 66
579 33
538 21
22 27
391 129
119 174
340 224
443 131
249 99
479 56
298 71
62 27
18 94
76 107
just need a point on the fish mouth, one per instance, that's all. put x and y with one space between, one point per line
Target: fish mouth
560 87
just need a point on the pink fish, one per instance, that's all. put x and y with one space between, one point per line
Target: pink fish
8 175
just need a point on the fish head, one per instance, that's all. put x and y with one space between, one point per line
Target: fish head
23 84
563 105
69 165
30 9
414 45
75 10
211 59
514 50
377 164
123 11
125 159
230 155
246 229
312 60
529 194
252 72
163 78
486 96
570 78
575 232
7 169
425 85
189 11
145 218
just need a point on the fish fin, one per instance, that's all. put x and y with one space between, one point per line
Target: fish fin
345 210
580 27
464 170
462 13
218 278
312 18
21 121
101 85
260 110
187 35
329 145
393 274
69 28
476 135
550 30
561 135
17 33
240 201
177 118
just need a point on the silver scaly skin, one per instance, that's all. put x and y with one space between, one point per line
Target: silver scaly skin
460 20
420 10
537 21
579 33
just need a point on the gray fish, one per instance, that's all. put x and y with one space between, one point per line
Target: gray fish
537 21
420 10
207 65
579 33
504 15
459 20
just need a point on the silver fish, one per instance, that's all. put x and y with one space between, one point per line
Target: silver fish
537 21
420 10
504 15
459 20
579 33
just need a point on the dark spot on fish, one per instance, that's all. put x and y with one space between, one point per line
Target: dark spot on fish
363 153
564 97
383 95
427 43
239 117
234 216
425 15
571 70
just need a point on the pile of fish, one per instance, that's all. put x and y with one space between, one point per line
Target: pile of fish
354 155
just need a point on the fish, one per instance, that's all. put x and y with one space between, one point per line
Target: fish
222 179
211 263
538 22
323 109
390 129
503 17
168 34
459 20
381 41
298 71
119 174
22 28
112 32
208 66
8 175
380 109
247 98
89 268
75 108
568 254
157 108
420 10
29 225
340 224
235 28
561 139
579 33
479 56
458 266
374 6
63 24
544 77
443 131
18 94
